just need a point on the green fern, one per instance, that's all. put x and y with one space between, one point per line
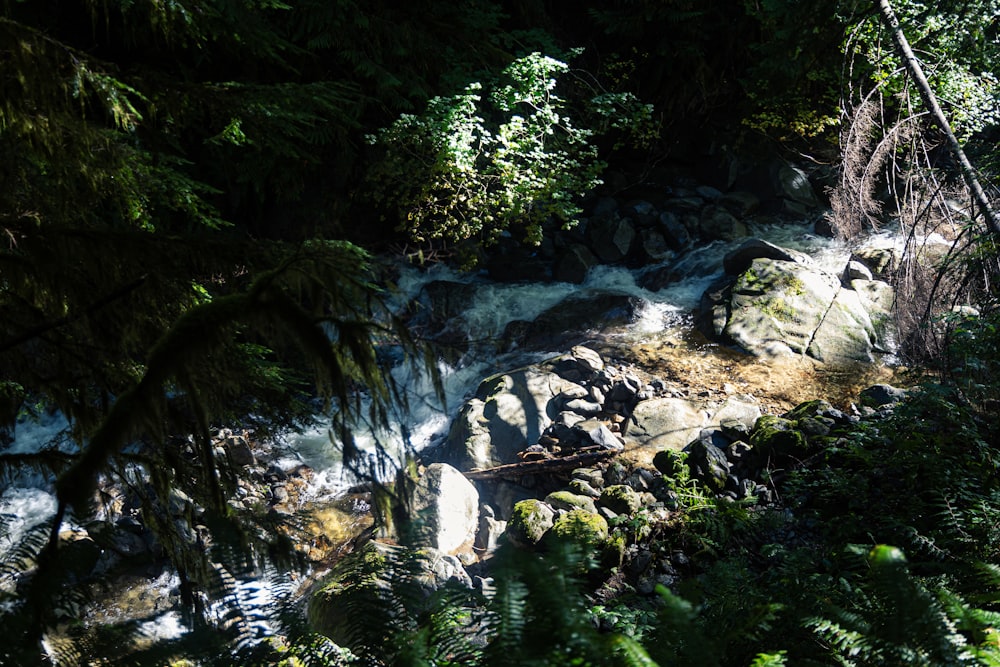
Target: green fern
901 622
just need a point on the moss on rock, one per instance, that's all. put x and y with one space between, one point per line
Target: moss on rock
580 527
529 522
567 500
668 462
620 499
776 438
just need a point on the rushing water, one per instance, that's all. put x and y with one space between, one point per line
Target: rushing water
495 305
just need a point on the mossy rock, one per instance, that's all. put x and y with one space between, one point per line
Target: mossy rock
589 531
358 576
567 500
529 522
808 409
815 427
582 488
613 551
668 462
777 439
620 499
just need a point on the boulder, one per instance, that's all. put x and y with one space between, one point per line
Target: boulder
586 529
674 232
739 259
238 450
878 297
610 237
642 212
592 310
445 509
620 499
707 461
776 441
653 246
880 395
846 332
880 261
736 416
668 462
793 184
855 270
716 223
664 423
778 305
490 530
580 365
582 488
509 412
574 264
568 501
594 433
529 522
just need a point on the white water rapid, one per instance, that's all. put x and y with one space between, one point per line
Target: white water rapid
495 305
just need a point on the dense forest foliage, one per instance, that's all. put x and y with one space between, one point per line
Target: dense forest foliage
194 193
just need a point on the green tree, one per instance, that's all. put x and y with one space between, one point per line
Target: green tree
508 159
145 148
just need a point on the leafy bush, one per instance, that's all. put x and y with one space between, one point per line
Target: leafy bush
510 155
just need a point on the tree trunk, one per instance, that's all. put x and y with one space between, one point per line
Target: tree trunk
555 464
927 95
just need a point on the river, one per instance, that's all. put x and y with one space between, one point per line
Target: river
665 315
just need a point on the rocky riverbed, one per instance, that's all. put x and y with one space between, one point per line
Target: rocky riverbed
683 319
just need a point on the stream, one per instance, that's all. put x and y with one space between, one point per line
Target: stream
663 320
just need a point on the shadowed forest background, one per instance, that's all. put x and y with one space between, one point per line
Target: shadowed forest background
197 198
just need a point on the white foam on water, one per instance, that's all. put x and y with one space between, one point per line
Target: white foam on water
47 431
20 510
495 305
165 627
426 420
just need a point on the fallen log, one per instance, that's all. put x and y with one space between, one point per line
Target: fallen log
554 464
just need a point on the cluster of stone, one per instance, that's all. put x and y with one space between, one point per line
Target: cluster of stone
659 225
727 446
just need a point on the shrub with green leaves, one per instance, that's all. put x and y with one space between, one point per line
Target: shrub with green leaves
508 155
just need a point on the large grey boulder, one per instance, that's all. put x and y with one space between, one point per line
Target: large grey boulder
776 306
509 412
665 423
444 509
780 303
846 332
